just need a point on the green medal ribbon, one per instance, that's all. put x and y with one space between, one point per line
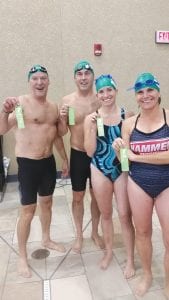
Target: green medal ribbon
100 126
124 159
19 116
71 116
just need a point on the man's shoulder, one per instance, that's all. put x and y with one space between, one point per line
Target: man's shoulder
52 104
69 97
23 98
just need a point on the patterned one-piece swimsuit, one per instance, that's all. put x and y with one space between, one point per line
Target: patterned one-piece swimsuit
105 158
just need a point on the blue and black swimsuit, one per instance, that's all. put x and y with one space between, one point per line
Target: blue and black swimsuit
105 158
152 178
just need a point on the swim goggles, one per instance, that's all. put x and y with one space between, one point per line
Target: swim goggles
82 66
35 69
148 83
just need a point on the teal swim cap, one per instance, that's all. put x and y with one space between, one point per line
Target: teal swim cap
83 64
105 80
36 68
146 80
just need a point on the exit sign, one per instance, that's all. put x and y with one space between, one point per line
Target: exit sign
162 37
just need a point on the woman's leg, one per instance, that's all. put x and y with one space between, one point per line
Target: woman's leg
125 216
103 190
162 209
95 215
142 208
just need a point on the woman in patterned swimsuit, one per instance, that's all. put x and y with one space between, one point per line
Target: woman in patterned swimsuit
106 172
147 135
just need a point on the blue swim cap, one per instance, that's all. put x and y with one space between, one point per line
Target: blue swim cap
105 80
146 80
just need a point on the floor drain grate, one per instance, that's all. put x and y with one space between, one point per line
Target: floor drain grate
40 253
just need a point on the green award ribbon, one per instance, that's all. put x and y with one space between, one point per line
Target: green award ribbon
100 126
19 116
71 116
124 159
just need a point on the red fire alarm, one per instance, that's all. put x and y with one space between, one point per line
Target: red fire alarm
97 49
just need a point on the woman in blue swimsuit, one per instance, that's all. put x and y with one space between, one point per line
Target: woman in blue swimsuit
147 136
106 174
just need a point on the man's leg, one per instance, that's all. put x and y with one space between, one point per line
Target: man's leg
78 212
45 204
23 230
95 214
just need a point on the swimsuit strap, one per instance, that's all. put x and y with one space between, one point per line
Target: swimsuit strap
164 114
122 113
136 121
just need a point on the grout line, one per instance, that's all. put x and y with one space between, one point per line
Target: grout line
87 225
67 254
9 245
60 263
13 249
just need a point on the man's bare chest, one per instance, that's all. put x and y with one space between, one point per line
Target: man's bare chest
40 116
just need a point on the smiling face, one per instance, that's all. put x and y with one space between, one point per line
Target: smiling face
107 95
84 80
39 83
148 98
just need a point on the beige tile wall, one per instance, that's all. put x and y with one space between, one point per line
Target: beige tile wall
58 33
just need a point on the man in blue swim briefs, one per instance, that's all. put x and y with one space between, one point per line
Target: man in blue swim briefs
34 152
147 137
84 102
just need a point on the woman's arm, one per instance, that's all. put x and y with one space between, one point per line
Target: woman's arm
124 141
157 158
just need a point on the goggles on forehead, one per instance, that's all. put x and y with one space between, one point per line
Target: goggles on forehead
108 76
82 66
35 69
148 83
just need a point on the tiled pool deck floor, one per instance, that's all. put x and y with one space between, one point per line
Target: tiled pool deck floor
69 276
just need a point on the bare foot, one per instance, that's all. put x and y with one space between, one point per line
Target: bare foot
143 285
54 246
106 260
98 240
129 270
77 245
166 292
23 268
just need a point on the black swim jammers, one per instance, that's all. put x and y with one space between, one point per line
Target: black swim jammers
36 177
79 170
